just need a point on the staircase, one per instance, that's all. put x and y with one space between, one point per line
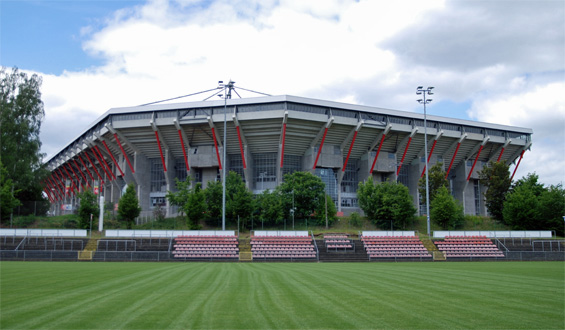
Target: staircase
245 250
332 256
89 249
432 248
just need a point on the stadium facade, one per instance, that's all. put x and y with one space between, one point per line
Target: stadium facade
268 137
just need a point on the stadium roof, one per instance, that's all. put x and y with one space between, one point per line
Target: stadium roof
261 119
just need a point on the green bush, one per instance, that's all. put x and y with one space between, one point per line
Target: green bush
355 220
27 221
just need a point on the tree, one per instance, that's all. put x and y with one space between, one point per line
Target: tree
387 204
128 206
552 209
531 182
496 177
307 191
195 207
190 200
531 206
239 200
326 207
521 208
87 206
21 114
445 210
270 207
213 196
7 199
436 181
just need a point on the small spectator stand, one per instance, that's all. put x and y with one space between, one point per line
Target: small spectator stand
283 246
339 242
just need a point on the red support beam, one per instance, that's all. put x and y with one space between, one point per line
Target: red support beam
70 178
53 190
161 152
500 156
48 195
403 155
241 147
85 167
183 151
76 176
377 155
93 166
101 164
81 174
519 160
64 183
349 152
48 186
124 152
429 157
113 159
104 160
452 159
61 184
57 187
216 145
320 149
475 162
283 139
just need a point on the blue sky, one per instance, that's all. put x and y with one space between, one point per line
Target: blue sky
46 36
493 61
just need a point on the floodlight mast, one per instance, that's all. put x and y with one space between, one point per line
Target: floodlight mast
227 94
421 91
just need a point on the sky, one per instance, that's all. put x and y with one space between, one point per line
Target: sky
496 61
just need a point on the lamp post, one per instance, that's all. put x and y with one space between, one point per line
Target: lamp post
227 94
421 91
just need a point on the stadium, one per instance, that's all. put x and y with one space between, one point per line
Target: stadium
267 137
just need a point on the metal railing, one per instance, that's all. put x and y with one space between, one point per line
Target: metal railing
116 241
543 243
315 245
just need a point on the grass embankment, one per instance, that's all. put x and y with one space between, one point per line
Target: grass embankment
282 296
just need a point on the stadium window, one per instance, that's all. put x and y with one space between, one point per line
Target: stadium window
350 180
265 168
197 174
477 197
180 169
329 177
158 181
403 176
236 165
291 164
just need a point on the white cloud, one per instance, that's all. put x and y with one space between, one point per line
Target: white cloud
368 52
541 108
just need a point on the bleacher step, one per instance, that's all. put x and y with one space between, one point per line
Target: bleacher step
88 252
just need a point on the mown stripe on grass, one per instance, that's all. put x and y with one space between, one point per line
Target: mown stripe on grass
281 295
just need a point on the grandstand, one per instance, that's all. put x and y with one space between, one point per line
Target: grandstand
267 137
214 247
147 245
468 247
379 246
283 245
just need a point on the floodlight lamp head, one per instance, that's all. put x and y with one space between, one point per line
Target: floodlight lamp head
420 100
428 100
418 92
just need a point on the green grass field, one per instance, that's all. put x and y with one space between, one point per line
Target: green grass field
479 295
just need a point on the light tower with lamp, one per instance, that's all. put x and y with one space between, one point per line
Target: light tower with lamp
421 91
